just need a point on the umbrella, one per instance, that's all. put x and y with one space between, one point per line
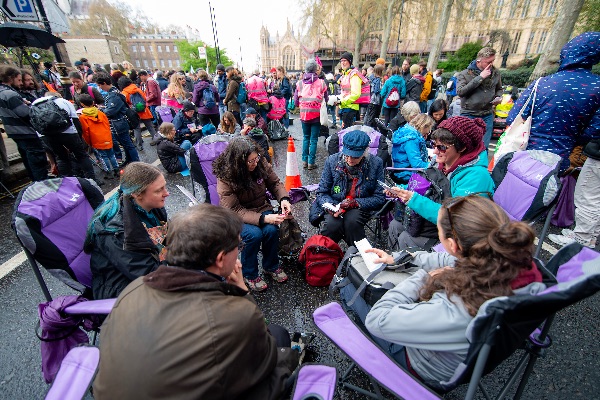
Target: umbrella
26 35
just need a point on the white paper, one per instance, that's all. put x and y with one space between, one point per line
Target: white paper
368 258
188 195
331 207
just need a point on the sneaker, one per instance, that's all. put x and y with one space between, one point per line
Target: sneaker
257 285
278 275
304 164
563 240
312 166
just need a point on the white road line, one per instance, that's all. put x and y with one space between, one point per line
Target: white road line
8 266
545 246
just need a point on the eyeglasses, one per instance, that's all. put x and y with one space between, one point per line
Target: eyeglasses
440 147
255 160
451 203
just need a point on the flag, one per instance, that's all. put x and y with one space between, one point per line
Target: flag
191 69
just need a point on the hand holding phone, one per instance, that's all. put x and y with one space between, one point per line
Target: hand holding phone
384 185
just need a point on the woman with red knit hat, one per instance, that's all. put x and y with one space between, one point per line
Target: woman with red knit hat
461 155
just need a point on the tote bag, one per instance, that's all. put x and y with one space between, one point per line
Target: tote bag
516 136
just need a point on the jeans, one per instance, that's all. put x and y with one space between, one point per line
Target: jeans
108 155
587 202
350 226
137 132
286 120
120 130
331 111
186 145
253 236
222 109
423 106
66 143
34 157
154 116
309 144
489 126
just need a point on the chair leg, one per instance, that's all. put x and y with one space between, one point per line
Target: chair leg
38 275
7 191
544 232
513 377
478 371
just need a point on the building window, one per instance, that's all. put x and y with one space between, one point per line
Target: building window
454 41
467 38
153 63
162 63
142 48
542 41
499 8
513 8
146 64
134 48
530 42
174 49
473 9
116 49
515 45
159 48
289 58
177 62
137 63
540 8
170 63
167 49
552 7
525 10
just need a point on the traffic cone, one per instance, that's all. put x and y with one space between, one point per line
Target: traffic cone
292 173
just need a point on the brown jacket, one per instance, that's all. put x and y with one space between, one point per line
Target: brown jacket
250 204
183 334
476 94
230 99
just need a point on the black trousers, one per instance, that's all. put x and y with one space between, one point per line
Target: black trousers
66 143
350 227
209 118
34 157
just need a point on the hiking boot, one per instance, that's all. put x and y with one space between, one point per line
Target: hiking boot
278 275
312 166
304 164
256 285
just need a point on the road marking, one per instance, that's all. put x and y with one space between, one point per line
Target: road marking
8 266
545 246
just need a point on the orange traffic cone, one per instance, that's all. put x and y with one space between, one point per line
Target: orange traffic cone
292 173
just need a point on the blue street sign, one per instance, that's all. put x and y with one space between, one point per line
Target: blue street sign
19 10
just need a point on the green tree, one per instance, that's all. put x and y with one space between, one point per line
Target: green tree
462 57
589 18
189 56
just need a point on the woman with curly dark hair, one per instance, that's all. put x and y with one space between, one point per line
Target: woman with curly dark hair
423 320
243 178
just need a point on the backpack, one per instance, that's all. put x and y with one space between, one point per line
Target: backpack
430 183
208 98
434 88
89 89
321 256
138 103
277 130
48 118
393 98
133 119
242 93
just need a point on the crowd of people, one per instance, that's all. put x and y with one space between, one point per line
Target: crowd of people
204 262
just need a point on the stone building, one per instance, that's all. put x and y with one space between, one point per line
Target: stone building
101 49
155 51
287 50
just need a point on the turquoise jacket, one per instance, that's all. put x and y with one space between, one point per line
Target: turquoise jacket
396 81
472 177
409 150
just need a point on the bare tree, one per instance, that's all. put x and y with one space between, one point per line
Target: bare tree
559 36
393 8
436 47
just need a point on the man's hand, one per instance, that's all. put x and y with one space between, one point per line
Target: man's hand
496 101
487 71
274 219
236 278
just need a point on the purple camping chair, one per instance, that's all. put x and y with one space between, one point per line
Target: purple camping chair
164 113
502 326
202 155
315 382
374 135
533 176
76 374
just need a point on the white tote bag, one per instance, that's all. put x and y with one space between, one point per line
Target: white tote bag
516 136
324 120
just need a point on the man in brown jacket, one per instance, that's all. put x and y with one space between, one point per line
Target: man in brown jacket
190 330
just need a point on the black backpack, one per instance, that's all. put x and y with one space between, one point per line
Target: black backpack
434 88
48 118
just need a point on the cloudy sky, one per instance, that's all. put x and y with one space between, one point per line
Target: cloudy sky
238 22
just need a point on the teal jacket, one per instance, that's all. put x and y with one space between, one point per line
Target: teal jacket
472 177
396 81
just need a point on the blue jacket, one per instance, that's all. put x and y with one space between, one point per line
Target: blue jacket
393 81
472 177
222 87
114 108
567 105
333 186
452 91
408 150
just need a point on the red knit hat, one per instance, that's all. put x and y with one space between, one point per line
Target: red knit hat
468 131
273 69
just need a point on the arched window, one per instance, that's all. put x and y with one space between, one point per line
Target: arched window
289 58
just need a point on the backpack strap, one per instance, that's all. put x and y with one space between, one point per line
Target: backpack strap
366 282
90 91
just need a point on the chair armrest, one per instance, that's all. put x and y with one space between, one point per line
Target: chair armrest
92 307
76 373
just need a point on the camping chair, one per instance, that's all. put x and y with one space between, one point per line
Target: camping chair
50 220
202 155
502 325
533 174
316 382
76 374
379 146
164 114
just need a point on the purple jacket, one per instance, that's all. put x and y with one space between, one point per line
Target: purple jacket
197 98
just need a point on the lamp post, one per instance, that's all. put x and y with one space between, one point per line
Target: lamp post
399 26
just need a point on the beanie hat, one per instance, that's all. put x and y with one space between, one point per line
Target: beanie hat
220 67
251 110
380 61
347 56
188 105
414 69
355 143
249 122
467 131
273 69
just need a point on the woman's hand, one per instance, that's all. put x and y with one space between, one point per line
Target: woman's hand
439 271
274 219
404 195
383 257
286 208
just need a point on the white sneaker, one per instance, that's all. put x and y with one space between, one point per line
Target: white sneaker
563 240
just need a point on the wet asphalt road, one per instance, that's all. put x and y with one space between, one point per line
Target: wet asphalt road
570 369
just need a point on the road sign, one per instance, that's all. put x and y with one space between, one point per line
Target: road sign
19 10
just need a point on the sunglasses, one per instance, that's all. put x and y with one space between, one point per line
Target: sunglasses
440 147
255 160
452 203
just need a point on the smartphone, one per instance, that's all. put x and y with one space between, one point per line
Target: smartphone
384 185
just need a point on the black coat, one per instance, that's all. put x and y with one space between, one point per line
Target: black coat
168 153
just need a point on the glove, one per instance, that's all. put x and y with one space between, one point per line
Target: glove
349 204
